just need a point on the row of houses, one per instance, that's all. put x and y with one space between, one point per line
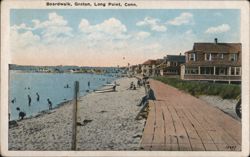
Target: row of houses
217 62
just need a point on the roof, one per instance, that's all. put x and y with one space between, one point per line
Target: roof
149 62
217 47
178 58
213 63
159 61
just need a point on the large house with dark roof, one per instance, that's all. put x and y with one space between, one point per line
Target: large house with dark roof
217 62
171 65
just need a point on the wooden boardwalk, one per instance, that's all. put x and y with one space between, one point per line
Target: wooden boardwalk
178 121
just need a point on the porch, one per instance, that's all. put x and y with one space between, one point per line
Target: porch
212 73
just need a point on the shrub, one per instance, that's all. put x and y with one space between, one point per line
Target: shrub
225 91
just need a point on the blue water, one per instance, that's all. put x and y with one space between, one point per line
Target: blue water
50 86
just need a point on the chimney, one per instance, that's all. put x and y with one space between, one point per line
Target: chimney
215 40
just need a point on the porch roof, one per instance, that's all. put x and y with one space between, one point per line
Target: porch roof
212 63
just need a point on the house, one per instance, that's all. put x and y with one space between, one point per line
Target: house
147 68
171 65
137 69
131 70
157 70
134 69
217 62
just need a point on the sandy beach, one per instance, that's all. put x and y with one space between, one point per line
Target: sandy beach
106 123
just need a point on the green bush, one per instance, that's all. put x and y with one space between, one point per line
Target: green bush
225 91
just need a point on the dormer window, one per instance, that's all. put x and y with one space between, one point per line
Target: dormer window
191 57
233 57
214 56
220 55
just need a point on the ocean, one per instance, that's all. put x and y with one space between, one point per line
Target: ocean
58 87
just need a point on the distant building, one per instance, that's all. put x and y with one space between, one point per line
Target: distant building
148 67
131 69
171 65
137 69
213 62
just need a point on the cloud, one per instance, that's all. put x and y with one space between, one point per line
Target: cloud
21 40
111 28
55 29
218 29
22 26
142 35
184 18
153 23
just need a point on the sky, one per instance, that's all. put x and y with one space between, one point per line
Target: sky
91 37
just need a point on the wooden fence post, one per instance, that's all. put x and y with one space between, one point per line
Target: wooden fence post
74 118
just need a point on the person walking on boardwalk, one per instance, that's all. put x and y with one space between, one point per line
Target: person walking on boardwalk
37 97
50 104
29 100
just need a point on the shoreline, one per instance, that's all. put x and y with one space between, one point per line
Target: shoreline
60 97
57 106
105 114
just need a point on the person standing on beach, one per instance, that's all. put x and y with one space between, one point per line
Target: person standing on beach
37 97
50 104
29 100
89 84
22 114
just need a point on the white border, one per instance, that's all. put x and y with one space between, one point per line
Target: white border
5 60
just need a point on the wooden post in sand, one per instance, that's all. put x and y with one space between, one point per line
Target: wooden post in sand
74 129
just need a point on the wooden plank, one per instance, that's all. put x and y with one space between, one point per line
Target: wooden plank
148 133
194 138
230 142
158 142
170 135
199 129
224 121
210 130
201 132
221 138
181 134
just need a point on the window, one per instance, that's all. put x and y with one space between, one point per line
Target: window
220 55
214 56
191 56
173 63
208 56
232 70
207 70
221 71
191 71
233 57
237 70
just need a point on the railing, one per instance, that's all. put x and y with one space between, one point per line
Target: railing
212 77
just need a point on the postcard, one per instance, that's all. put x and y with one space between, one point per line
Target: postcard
124 78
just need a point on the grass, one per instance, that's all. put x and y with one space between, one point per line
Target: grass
225 91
